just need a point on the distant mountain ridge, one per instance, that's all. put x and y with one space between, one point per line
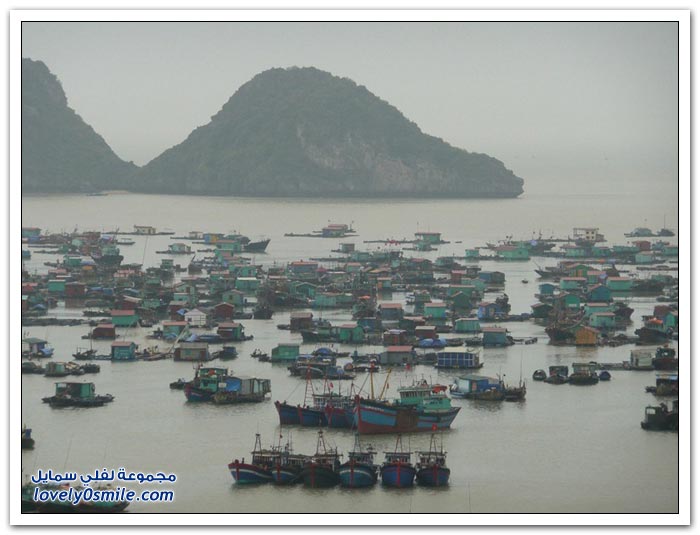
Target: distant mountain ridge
60 152
302 132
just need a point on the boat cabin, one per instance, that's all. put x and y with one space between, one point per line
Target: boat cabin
75 390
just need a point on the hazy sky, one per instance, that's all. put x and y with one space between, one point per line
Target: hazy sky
580 106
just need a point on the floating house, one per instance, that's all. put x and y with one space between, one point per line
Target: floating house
602 320
299 321
395 337
173 329
642 359
435 311
512 252
572 283
196 318
192 351
619 284
424 332
495 337
397 355
432 238
467 326
223 311
231 331
104 331
351 333
459 357
123 351
599 293
486 310
284 353
391 311
144 230
586 336
124 318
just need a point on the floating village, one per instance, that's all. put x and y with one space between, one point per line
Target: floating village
400 311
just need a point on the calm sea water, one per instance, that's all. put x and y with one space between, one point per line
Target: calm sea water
565 449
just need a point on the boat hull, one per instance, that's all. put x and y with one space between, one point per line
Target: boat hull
318 476
282 475
249 473
304 416
195 394
357 475
433 476
398 475
374 417
339 417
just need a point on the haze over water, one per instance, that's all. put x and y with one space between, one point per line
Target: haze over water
565 449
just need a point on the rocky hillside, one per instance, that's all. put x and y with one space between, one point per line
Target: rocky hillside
304 132
60 152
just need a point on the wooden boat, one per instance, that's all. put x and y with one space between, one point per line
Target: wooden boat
431 470
666 385
583 374
259 469
515 393
397 470
321 471
419 408
359 471
660 418
604 375
27 440
77 395
558 375
84 354
539 375
287 469
300 415
32 367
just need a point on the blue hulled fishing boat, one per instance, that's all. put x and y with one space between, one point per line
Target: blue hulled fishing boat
397 470
421 407
430 468
259 470
359 471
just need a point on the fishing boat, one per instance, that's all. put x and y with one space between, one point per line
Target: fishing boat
259 468
515 393
359 471
27 440
431 470
338 409
660 418
300 415
397 470
583 374
205 383
228 352
287 469
321 471
604 375
665 359
666 385
558 375
77 395
419 408
32 367
84 354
